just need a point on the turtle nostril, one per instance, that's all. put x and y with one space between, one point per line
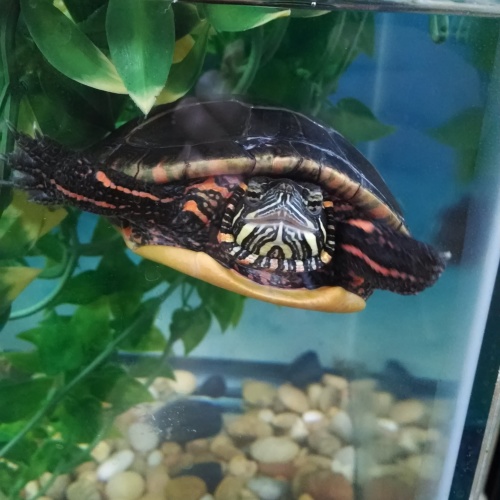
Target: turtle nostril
286 187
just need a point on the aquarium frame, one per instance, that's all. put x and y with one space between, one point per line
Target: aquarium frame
479 9
488 445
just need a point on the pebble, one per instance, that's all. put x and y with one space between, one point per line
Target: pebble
240 466
385 450
83 489
278 470
339 383
32 488
299 431
325 485
260 394
162 386
127 485
230 488
156 480
198 446
184 420
213 387
274 449
330 397
285 421
382 403
427 466
413 439
222 447
387 427
305 370
387 488
248 427
184 382
139 464
118 462
143 437
292 398
185 488
345 462
101 451
266 415
408 411
313 394
209 472
341 425
267 488
314 420
324 443
57 489
152 496
155 458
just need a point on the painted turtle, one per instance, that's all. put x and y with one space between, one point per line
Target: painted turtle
256 199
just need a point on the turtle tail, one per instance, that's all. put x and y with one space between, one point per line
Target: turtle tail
371 253
34 165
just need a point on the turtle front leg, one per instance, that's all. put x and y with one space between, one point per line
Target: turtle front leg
371 255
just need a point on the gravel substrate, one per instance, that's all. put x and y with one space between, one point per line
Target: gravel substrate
332 439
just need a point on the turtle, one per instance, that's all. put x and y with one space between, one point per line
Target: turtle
257 199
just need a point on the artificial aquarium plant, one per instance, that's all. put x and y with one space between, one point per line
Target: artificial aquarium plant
73 71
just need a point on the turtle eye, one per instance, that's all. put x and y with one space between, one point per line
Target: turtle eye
314 201
253 194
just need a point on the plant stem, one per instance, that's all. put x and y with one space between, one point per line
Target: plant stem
168 346
73 251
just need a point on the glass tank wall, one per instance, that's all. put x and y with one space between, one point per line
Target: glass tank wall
121 378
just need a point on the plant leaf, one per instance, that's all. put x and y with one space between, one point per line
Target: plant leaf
186 18
127 392
82 10
355 121
13 280
81 289
462 132
81 418
19 400
68 49
141 41
190 325
241 17
184 74
23 223
226 306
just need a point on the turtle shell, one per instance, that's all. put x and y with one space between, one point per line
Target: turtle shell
199 139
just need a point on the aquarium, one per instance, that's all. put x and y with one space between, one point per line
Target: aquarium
124 378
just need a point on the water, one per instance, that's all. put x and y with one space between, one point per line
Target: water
406 363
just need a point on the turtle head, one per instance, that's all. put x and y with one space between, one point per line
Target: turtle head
281 225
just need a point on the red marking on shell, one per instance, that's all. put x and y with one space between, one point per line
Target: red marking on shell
159 173
80 197
365 225
108 183
384 271
191 206
103 178
209 184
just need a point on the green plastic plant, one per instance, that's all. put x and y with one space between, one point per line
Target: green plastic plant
74 70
